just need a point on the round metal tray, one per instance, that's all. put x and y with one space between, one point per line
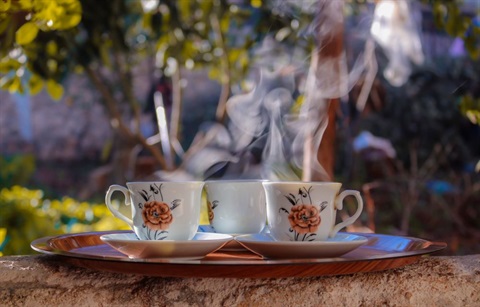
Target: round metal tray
381 252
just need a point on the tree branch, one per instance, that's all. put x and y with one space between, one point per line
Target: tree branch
220 114
176 105
117 121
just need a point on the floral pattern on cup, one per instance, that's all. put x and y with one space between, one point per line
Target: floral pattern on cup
211 206
156 214
303 216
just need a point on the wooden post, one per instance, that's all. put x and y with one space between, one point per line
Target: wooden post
326 152
330 49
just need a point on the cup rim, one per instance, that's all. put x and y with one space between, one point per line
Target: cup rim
317 183
151 182
236 181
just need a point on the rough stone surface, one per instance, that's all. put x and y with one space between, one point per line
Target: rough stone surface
433 281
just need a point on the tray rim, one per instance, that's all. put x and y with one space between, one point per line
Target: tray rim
42 245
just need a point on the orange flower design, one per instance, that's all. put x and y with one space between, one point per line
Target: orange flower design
304 218
157 215
211 215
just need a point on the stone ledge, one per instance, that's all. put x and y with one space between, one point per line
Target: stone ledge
433 281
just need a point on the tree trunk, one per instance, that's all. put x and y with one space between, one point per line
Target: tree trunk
326 151
330 48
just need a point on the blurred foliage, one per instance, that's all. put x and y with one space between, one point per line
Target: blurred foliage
448 15
425 112
16 169
470 106
432 177
22 22
43 42
457 22
452 18
50 40
27 215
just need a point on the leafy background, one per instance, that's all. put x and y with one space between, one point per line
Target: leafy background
432 121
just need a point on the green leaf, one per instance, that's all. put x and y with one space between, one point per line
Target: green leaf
225 23
185 10
26 4
5 5
15 85
105 55
4 23
26 34
9 65
70 21
439 12
471 45
35 84
214 73
51 48
54 89
282 34
256 3
5 82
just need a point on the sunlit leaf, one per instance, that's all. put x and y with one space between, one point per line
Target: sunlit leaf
4 24
147 21
70 21
8 65
282 34
15 85
206 5
35 84
105 56
5 5
470 107
52 65
78 69
26 4
298 104
3 234
52 48
20 89
5 83
439 13
225 23
471 44
214 73
51 12
256 3
184 8
26 34
244 60
54 89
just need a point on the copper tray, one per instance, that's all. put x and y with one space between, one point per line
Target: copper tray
382 252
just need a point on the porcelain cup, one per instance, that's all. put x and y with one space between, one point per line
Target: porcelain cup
306 211
160 210
236 206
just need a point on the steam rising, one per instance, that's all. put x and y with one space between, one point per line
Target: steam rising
394 29
268 135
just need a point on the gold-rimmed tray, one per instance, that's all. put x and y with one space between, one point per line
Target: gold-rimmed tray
381 252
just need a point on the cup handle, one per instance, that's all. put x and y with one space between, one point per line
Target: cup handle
115 212
339 206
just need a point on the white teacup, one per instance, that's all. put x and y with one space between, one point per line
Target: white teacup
236 206
161 210
306 211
